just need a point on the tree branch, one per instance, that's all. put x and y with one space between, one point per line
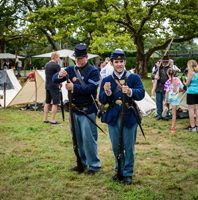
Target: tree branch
121 31
128 17
166 43
127 25
114 6
145 19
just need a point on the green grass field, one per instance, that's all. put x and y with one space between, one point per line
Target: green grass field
35 159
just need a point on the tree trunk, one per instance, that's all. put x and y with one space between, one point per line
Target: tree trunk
2 50
2 46
141 58
141 67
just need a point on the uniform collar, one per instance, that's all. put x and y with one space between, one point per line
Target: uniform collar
80 68
121 76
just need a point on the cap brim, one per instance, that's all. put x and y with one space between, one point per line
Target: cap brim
80 56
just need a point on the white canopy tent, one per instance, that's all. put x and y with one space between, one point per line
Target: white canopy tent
12 86
26 95
63 53
8 56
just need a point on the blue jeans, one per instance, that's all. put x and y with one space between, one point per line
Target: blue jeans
87 135
128 146
19 70
159 101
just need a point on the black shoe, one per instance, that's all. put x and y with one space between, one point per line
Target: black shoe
165 119
127 180
46 122
55 123
90 172
75 169
114 178
159 118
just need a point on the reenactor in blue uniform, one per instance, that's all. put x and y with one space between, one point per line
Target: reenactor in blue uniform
86 131
133 90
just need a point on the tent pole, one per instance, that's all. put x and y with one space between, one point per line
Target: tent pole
25 63
4 91
35 90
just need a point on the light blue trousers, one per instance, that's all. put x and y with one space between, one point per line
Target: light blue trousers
87 135
128 146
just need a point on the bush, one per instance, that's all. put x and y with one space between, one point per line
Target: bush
181 62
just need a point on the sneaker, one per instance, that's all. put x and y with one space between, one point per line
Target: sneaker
196 127
46 122
152 97
164 112
55 123
190 128
172 129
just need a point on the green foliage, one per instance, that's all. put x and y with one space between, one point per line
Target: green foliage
181 62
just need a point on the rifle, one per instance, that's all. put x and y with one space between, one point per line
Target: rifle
62 105
157 73
80 167
137 118
119 156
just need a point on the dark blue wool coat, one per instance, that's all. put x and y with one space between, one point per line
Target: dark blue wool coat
134 82
81 93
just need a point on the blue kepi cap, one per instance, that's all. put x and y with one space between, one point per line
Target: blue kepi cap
80 51
117 54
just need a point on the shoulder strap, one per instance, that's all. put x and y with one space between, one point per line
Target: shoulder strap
78 73
118 87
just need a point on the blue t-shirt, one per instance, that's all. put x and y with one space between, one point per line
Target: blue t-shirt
193 87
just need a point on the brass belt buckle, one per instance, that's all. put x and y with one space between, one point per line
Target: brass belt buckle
119 102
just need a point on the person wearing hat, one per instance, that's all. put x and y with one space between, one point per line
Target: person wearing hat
86 131
161 76
133 90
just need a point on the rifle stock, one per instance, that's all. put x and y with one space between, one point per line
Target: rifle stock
119 156
80 167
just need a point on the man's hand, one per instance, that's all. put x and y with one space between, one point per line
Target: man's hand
62 73
69 85
126 89
107 87
156 77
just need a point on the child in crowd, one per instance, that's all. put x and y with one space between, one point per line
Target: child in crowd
172 87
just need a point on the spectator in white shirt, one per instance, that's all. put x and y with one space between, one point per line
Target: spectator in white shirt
174 67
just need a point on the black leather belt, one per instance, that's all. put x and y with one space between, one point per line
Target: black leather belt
82 105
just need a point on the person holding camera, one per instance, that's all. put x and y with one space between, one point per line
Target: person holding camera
112 94
86 131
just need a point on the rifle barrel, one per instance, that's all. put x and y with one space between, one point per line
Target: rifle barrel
119 156
80 167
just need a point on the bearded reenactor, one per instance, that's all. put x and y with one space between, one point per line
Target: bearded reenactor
83 83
